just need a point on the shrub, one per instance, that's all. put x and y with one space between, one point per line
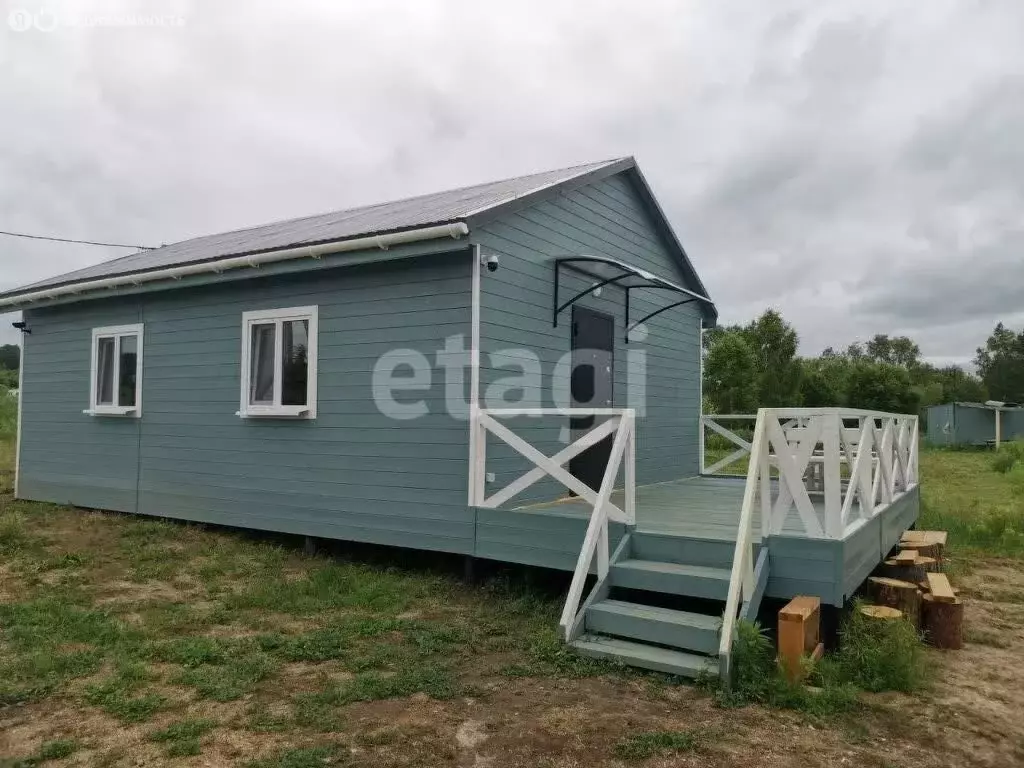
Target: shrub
873 656
1004 461
876 656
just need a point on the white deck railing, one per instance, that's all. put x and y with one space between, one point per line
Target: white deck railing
619 422
848 459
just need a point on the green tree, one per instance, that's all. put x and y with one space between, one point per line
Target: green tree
773 342
881 387
730 373
1001 364
10 357
898 350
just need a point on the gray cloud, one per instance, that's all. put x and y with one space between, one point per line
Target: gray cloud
856 165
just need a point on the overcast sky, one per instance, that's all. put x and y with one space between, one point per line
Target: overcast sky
857 165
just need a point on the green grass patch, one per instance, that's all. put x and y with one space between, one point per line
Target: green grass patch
118 694
642 746
307 757
48 750
183 738
328 586
230 680
980 507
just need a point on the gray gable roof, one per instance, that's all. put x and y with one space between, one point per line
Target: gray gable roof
466 204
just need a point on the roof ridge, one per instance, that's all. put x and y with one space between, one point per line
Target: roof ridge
379 204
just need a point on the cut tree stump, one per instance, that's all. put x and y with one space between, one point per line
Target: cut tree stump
926 543
906 557
881 612
893 570
903 595
943 623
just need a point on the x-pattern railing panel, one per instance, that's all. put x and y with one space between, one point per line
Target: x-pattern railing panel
620 424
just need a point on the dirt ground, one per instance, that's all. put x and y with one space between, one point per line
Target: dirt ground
971 716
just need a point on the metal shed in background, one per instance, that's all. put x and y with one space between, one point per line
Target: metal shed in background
974 423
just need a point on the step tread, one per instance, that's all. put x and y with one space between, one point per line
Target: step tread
679 569
655 613
647 656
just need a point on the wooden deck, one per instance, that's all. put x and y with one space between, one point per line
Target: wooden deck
698 507
702 508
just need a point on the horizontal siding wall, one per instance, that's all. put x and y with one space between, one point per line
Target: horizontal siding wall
352 473
604 218
68 457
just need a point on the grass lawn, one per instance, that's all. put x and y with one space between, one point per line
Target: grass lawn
127 641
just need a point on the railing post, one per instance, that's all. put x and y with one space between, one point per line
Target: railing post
832 423
480 458
700 439
765 474
631 470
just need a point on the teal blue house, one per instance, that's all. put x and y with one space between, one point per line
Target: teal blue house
343 376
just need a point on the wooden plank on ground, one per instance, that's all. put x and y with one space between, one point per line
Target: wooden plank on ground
940 588
925 537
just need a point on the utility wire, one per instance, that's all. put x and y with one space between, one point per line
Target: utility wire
79 242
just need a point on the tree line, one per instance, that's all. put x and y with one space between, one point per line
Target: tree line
757 365
10 359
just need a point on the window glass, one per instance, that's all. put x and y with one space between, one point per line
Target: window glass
261 374
294 362
105 371
127 370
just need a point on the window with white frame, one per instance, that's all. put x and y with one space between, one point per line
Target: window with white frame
116 388
279 351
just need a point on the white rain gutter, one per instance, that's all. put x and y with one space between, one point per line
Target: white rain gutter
454 230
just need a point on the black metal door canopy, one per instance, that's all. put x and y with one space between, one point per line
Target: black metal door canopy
608 271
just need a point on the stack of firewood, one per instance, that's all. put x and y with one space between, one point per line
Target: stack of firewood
912 584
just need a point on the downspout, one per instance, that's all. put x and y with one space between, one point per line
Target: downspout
21 399
474 376
700 394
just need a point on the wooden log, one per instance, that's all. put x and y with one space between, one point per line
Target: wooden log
893 570
881 612
903 595
930 564
927 543
799 633
943 623
923 549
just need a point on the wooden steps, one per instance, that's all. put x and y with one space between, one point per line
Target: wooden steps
661 626
633 624
645 656
701 581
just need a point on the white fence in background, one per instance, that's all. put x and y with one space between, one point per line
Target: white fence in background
620 423
855 462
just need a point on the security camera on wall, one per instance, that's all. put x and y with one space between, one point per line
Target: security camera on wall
491 262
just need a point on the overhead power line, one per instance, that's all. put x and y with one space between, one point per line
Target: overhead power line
78 242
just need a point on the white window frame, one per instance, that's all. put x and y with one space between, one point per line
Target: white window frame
279 317
116 332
